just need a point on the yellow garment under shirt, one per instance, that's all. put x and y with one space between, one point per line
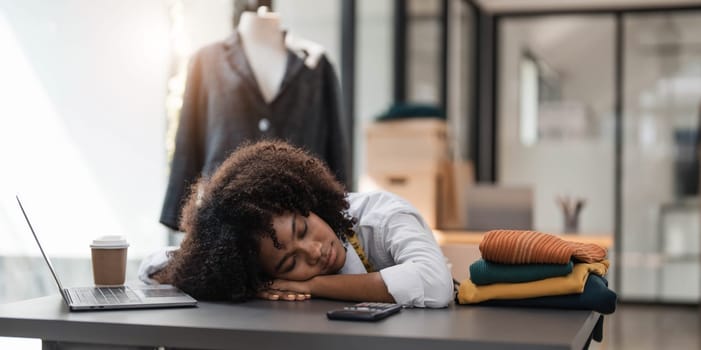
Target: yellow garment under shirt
353 240
469 293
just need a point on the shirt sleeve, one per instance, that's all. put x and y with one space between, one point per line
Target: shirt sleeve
153 263
420 277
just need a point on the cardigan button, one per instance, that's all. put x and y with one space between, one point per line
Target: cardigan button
263 124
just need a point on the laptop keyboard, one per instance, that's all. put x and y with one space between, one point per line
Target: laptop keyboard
104 295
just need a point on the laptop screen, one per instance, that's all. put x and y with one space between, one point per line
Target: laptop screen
46 258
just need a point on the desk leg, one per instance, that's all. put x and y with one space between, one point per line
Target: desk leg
61 345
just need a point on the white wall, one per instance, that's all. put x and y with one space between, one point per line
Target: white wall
82 131
83 122
82 128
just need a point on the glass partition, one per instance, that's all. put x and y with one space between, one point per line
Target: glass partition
556 136
662 107
555 118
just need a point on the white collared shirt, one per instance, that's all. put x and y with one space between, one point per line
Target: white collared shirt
401 246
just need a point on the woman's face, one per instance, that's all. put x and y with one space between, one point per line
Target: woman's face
309 248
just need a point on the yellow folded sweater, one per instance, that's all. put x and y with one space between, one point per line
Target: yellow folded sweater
469 293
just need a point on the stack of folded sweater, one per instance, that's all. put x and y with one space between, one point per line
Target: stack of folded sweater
528 268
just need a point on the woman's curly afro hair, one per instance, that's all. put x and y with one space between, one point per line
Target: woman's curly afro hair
226 216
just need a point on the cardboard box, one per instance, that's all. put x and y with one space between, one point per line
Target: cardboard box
460 175
421 189
411 144
411 158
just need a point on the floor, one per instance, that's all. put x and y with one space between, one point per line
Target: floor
631 327
652 327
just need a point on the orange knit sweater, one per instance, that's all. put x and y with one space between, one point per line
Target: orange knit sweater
532 247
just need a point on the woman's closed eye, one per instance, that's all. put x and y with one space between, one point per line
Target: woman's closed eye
300 235
303 232
292 265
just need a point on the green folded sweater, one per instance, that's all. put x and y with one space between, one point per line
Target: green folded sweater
484 272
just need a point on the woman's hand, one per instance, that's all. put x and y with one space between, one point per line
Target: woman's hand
286 290
362 287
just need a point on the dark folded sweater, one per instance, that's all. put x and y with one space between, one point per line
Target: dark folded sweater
596 296
483 272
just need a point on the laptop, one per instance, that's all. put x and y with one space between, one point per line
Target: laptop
109 298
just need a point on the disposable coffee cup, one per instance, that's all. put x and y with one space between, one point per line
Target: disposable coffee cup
109 260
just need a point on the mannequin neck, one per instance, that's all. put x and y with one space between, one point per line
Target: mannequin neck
264 29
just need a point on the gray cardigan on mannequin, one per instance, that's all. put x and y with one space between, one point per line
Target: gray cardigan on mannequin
223 107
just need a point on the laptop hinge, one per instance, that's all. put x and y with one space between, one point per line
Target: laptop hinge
67 297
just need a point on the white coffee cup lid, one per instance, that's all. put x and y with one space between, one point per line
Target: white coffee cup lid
109 242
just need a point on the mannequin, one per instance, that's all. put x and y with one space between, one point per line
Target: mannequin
259 83
264 47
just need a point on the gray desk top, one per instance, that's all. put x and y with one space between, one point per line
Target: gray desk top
299 325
